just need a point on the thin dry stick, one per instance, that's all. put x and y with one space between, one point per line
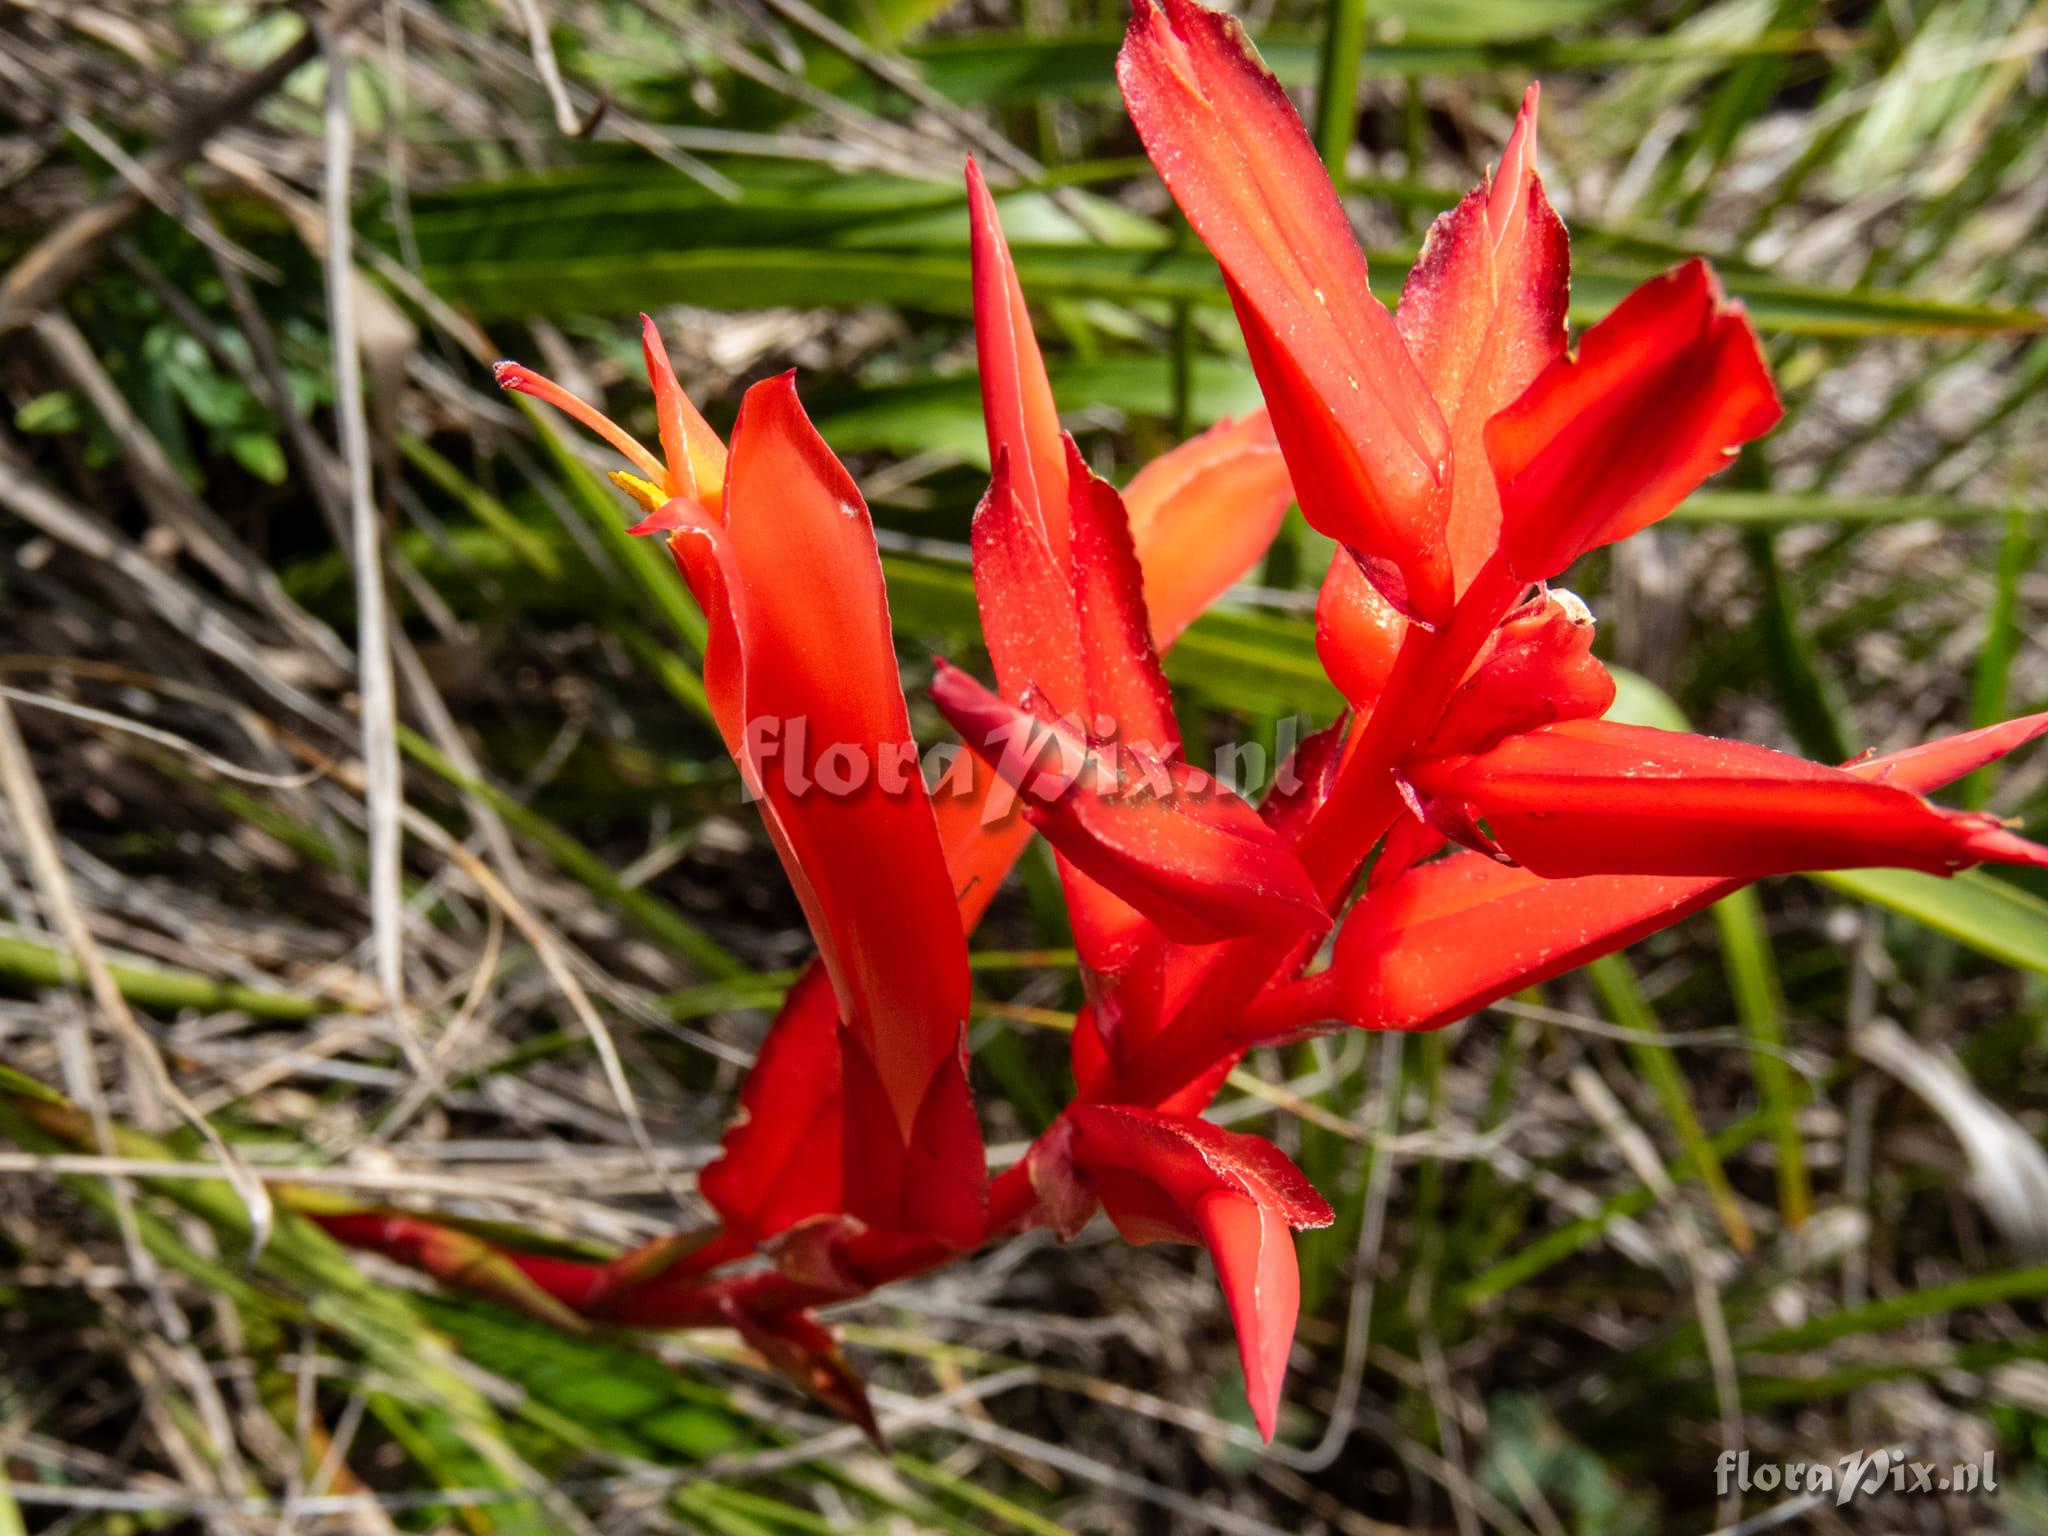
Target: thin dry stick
442 1057
573 124
157 482
547 947
384 789
899 76
1364 1256
1592 1091
163 195
39 840
175 602
265 379
558 966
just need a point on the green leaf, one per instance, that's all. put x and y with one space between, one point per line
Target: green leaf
802 235
1990 915
261 454
1459 37
56 410
1738 506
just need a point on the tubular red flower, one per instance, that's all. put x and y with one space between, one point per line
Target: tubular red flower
794 663
1452 936
1367 445
1482 314
1460 457
1184 850
1596 797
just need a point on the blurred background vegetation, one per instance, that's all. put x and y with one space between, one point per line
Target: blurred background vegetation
1771 1180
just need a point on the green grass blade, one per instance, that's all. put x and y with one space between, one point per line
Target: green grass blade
1760 1005
1615 980
1987 914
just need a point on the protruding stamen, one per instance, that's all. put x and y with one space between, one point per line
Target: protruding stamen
646 492
518 376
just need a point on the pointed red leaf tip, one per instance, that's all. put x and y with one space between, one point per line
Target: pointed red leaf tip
1659 395
1172 1178
695 457
804 1350
1450 937
802 680
1016 398
1203 515
1170 840
1482 313
1367 445
1596 797
1026 600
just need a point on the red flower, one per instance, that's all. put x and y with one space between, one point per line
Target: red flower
797 668
1462 457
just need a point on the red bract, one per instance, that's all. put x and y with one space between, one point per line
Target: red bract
1462 457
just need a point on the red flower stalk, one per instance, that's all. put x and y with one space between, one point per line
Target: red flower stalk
1462 457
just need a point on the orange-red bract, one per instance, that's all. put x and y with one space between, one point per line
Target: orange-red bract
1184 850
1482 314
1175 1178
1366 443
1657 397
1597 797
801 676
1449 937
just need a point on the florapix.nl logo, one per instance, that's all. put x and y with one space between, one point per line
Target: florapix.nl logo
1859 1474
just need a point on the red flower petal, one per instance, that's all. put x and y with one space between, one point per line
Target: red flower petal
1016 399
804 1350
696 458
1366 444
1203 515
802 679
1450 937
1482 314
1026 600
1358 633
1126 688
1177 1178
770 1173
1659 395
1182 849
1596 797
